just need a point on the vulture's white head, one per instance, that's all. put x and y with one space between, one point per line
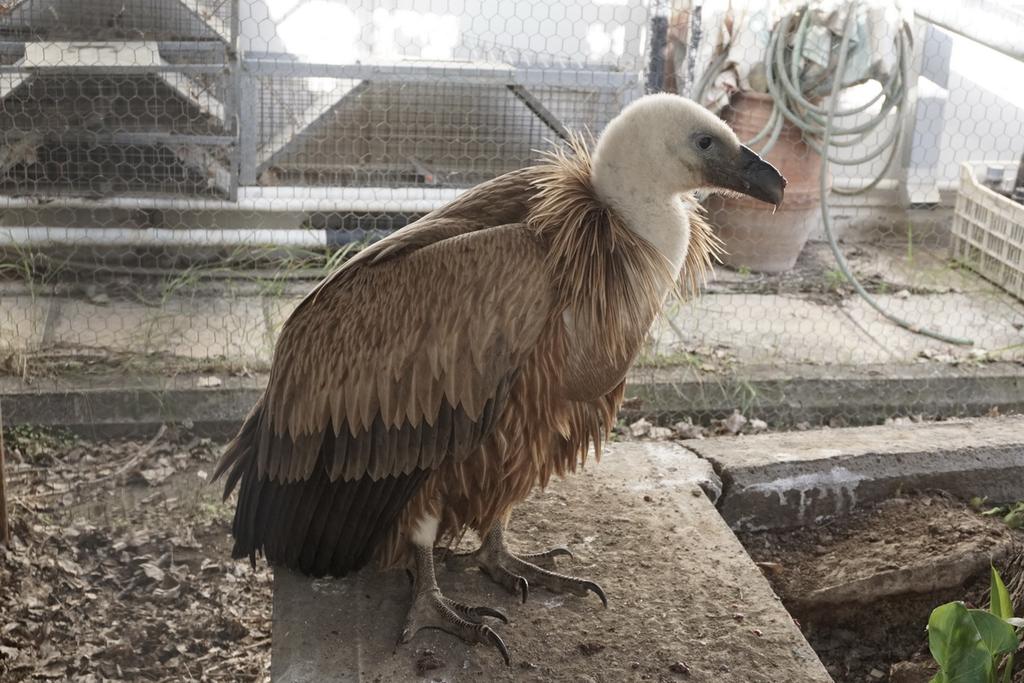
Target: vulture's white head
663 146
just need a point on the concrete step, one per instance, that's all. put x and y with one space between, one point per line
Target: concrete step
791 479
100 404
683 596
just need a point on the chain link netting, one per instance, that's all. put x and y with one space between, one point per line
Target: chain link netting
176 174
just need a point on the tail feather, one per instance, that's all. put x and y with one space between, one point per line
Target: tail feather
315 525
237 455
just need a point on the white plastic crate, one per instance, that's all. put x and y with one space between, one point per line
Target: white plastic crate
988 229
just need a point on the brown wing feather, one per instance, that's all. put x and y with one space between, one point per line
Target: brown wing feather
385 371
371 340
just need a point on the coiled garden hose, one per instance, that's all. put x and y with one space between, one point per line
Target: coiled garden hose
820 131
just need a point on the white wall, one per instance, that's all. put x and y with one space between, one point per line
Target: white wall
598 32
975 112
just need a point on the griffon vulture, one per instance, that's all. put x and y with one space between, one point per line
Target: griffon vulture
433 380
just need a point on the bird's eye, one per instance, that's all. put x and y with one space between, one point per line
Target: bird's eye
704 141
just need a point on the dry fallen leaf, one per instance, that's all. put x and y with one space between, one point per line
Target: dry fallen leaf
734 423
640 428
155 475
152 571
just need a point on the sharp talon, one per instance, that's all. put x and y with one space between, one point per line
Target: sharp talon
412 577
561 551
430 609
498 643
516 572
547 558
598 591
489 612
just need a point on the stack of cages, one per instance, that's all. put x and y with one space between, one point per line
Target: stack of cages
117 127
176 174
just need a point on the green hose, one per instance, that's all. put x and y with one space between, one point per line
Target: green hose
827 219
820 132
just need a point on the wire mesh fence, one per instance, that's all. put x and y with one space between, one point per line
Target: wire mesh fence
176 174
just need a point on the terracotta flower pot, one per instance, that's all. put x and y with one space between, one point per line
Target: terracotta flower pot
755 238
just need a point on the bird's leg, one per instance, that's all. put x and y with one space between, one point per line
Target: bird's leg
518 573
430 609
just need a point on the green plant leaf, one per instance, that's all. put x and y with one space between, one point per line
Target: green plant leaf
957 645
1015 517
997 636
974 666
950 628
999 598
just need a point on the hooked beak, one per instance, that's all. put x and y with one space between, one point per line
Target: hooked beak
750 174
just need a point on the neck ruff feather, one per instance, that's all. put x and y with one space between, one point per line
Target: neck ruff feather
592 249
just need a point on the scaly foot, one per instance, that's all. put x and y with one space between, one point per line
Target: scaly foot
431 609
518 573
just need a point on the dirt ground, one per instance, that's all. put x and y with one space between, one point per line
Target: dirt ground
120 570
120 566
862 588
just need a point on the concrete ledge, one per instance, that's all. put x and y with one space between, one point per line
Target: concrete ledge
683 596
104 406
791 479
117 404
853 395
